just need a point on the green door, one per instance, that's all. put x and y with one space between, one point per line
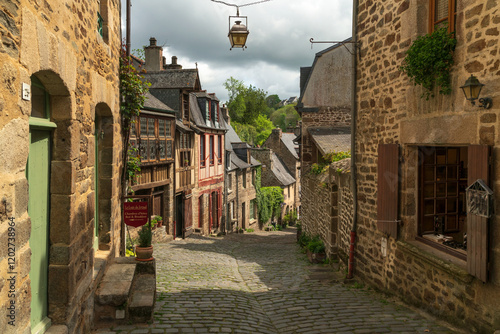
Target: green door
38 171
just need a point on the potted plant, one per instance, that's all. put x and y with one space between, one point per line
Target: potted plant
144 250
156 221
316 250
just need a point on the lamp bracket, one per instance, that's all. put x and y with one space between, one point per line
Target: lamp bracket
485 102
357 44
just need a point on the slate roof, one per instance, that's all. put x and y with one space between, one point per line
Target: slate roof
329 139
197 115
178 78
152 102
287 138
280 171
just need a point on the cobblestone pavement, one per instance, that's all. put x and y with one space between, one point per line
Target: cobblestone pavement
261 283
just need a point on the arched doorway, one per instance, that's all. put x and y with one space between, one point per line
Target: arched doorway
38 175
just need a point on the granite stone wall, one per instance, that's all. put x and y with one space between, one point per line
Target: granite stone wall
391 110
58 43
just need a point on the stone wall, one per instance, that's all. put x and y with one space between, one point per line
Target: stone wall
239 195
325 116
391 110
58 43
327 208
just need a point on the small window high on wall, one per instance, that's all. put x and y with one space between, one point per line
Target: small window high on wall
443 13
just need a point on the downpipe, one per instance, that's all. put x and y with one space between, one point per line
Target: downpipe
350 271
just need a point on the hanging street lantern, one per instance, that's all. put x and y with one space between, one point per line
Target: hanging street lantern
238 33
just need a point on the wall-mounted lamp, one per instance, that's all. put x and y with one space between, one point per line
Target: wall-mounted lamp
472 89
238 33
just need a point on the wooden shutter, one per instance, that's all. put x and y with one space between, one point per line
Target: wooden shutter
477 227
188 216
387 194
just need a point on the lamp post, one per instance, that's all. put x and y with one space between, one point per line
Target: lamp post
472 89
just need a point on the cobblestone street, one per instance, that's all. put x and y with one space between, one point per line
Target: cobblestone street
261 283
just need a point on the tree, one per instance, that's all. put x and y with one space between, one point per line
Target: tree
285 116
245 103
272 101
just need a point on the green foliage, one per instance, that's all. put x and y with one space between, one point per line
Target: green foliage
140 53
250 230
304 240
429 60
133 89
254 134
272 101
285 116
326 160
245 103
290 218
133 164
316 245
156 220
129 246
145 236
269 199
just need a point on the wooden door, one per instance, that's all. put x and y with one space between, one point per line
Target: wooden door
38 174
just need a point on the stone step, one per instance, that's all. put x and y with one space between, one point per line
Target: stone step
113 292
142 299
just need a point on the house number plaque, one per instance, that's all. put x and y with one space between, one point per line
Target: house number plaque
479 198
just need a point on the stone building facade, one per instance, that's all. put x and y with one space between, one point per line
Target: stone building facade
408 210
60 157
284 147
240 195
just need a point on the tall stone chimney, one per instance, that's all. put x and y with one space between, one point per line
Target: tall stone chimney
174 65
277 133
225 113
154 56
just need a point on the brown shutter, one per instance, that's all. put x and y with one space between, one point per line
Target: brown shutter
477 227
387 195
188 216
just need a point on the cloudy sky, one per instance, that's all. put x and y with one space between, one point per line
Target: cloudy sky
278 45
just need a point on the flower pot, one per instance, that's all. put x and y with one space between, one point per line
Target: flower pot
316 257
144 253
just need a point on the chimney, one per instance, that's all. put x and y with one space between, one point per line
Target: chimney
225 114
174 65
277 132
154 56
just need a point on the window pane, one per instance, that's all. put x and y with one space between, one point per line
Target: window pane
452 189
429 207
441 190
441 173
169 149
452 205
429 173
152 150
441 156
441 10
162 149
38 102
151 127
429 190
440 206
144 127
168 129
452 173
144 150
161 127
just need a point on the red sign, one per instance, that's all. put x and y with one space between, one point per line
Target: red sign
135 213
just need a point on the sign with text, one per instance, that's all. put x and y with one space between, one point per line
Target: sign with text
135 213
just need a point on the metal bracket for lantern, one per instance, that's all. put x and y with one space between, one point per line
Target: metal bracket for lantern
479 199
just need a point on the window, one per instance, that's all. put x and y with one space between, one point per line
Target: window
102 19
229 182
155 138
211 147
288 191
219 149
244 178
443 13
231 210
185 106
209 111
252 209
443 180
202 150
165 139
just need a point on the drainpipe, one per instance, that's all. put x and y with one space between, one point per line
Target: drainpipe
353 139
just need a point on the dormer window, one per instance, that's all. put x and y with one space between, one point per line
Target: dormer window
209 107
185 106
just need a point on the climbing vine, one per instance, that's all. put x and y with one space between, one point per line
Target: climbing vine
133 89
429 60
269 199
327 159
